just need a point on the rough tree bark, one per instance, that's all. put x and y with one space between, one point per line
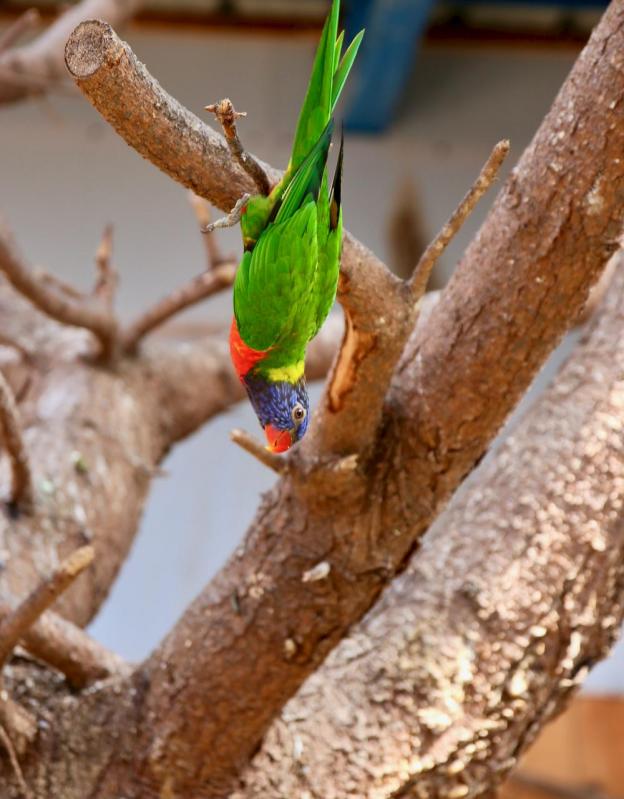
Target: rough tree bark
389 444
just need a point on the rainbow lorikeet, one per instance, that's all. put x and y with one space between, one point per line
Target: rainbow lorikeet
286 282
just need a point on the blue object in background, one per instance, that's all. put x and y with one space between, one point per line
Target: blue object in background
384 63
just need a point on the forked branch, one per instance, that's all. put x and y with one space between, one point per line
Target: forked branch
86 312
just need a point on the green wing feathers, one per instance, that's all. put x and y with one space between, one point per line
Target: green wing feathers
275 286
286 283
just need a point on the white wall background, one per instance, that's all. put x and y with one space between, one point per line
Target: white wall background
64 174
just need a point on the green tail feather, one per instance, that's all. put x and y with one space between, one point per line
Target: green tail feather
307 179
329 74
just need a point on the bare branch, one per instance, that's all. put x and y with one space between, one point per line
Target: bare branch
418 281
17 770
153 122
277 463
57 284
227 116
444 684
461 374
37 67
14 626
196 290
23 24
12 343
86 312
10 429
106 283
68 649
214 256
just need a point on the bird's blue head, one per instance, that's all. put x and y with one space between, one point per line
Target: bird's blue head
282 409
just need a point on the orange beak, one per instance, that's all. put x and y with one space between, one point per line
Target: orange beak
277 440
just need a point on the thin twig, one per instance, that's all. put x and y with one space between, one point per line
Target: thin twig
231 219
68 649
106 281
9 341
420 277
275 462
197 289
23 24
214 256
88 313
227 116
14 626
19 776
10 428
58 284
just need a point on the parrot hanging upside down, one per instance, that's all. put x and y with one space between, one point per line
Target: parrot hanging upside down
286 282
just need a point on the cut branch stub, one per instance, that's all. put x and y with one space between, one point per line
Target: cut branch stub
178 142
277 463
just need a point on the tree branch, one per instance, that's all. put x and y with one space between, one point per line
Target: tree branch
106 283
10 429
196 290
214 256
68 649
277 463
14 626
37 67
227 115
23 24
87 313
518 288
442 687
150 120
420 277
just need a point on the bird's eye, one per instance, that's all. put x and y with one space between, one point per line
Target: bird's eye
298 413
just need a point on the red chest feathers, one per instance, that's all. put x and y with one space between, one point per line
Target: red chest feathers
243 357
